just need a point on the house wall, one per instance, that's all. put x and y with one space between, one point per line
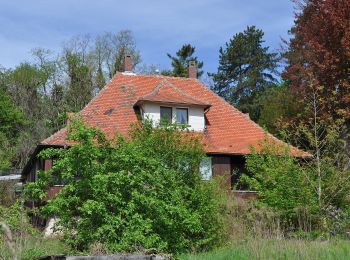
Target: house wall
196 119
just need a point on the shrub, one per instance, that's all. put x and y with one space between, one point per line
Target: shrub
7 193
133 194
281 184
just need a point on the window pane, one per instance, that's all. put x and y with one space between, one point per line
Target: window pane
166 114
205 168
182 116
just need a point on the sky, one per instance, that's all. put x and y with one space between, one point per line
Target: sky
159 26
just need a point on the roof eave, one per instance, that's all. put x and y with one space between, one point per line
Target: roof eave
32 158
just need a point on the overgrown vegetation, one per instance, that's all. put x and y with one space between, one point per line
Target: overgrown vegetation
132 194
290 189
26 242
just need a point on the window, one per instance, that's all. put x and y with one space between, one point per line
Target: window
182 116
166 114
205 168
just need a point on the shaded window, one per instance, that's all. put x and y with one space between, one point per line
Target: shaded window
182 116
166 114
57 179
205 168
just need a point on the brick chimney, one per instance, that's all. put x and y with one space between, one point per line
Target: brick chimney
192 69
128 66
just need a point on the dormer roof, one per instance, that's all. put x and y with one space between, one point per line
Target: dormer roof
167 93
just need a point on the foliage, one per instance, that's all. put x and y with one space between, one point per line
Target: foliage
246 69
45 90
180 62
278 105
279 180
27 242
80 88
145 192
7 192
16 218
302 193
11 121
320 47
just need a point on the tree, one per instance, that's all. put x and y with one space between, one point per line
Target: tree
180 62
278 105
11 122
320 47
328 171
142 192
116 47
25 86
318 74
246 69
80 90
54 87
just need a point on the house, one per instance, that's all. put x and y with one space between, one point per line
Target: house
228 133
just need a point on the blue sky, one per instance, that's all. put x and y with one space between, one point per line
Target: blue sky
159 27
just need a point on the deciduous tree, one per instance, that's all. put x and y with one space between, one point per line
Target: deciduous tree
320 47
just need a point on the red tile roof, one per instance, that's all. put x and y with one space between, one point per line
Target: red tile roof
228 130
166 92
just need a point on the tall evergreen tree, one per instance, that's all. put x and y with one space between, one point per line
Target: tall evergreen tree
180 62
246 69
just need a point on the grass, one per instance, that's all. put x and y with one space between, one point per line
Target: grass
34 247
278 249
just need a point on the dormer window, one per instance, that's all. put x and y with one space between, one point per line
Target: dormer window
167 104
182 116
166 114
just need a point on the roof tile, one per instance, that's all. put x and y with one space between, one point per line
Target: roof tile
228 130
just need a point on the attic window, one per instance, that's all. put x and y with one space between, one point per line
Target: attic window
166 114
182 116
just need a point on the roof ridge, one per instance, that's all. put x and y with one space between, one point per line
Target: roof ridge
155 90
159 76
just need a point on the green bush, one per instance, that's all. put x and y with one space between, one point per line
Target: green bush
281 184
16 218
133 194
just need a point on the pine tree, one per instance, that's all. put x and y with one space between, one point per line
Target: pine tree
180 62
246 69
